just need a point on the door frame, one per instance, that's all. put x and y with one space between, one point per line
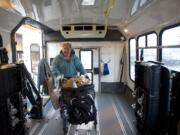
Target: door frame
99 64
88 70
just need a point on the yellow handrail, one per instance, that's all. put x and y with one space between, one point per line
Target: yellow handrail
109 7
108 10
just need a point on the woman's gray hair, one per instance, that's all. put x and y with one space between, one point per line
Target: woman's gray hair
67 44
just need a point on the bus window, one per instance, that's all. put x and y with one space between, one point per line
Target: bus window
142 2
132 58
35 57
171 36
138 5
171 47
135 7
148 42
142 41
151 40
150 54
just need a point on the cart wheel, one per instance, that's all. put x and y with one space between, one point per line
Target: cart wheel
65 130
95 124
65 126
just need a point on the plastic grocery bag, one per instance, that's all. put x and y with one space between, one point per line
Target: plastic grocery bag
54 93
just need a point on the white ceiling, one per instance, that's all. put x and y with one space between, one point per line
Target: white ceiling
58 12
55 13
8 20
158 14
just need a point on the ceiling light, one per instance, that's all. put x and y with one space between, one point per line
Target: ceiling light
88 2
125 30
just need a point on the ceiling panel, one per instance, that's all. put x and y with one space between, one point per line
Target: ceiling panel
60 12
8 20
55 13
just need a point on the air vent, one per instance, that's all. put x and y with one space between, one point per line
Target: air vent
78 28
83 31
66 28
88 28
100 27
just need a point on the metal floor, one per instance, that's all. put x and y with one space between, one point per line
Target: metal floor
114 115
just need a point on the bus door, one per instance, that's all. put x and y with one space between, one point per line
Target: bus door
90 60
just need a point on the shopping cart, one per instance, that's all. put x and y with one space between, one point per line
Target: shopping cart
77 106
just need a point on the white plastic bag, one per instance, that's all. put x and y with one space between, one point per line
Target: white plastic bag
54 96
54 93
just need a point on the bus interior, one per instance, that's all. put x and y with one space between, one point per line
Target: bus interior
130 50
